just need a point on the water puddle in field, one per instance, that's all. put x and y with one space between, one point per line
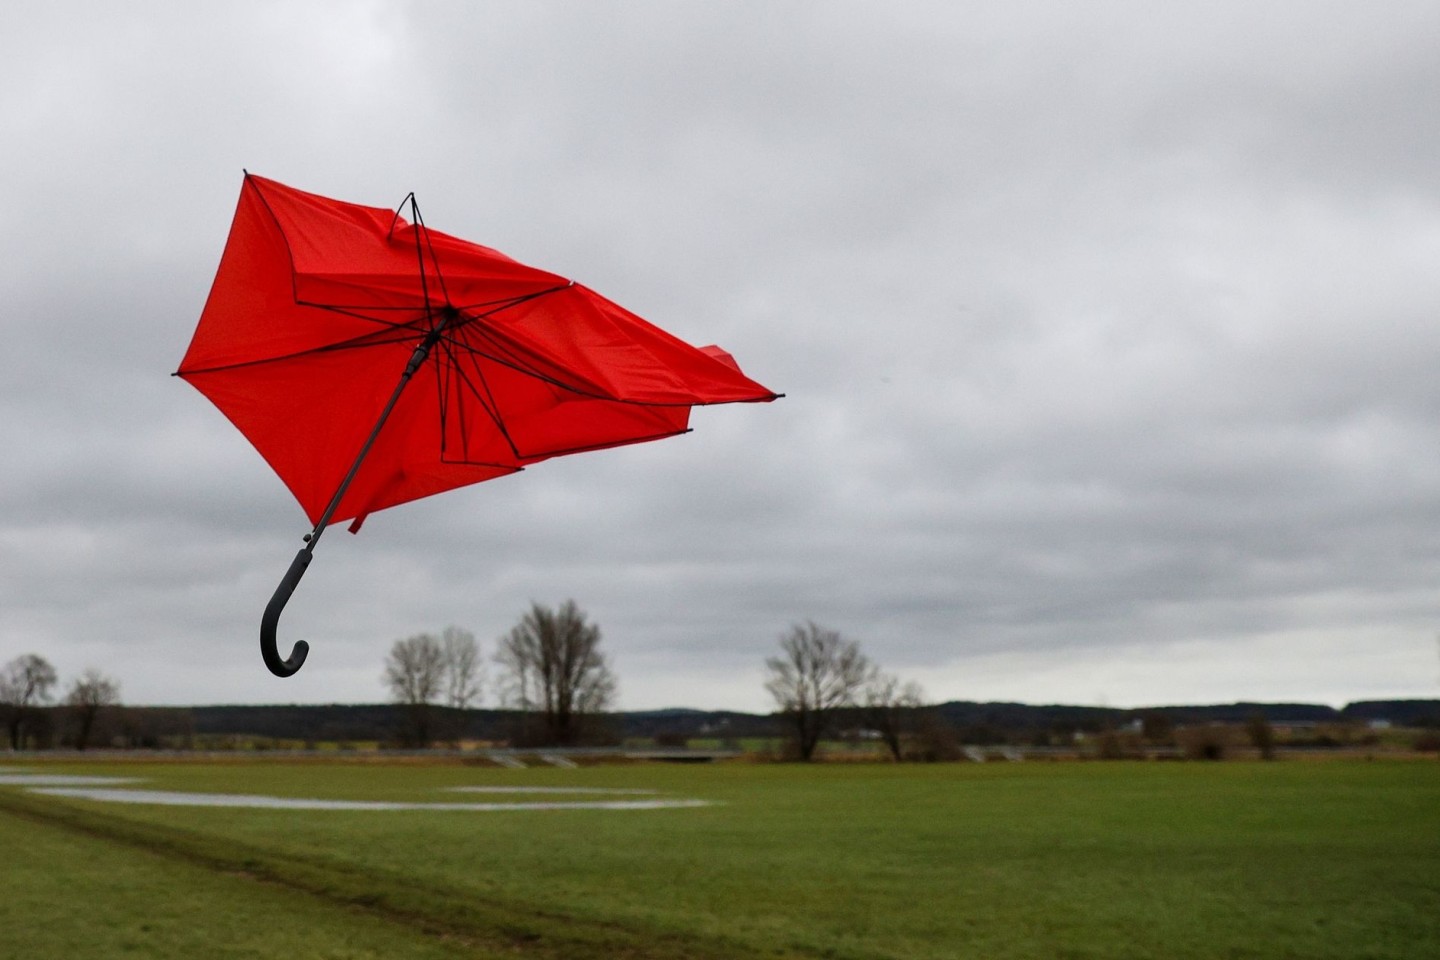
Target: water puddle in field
14 778
172 798
611 790
116 790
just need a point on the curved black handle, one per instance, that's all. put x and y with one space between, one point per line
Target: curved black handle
271 618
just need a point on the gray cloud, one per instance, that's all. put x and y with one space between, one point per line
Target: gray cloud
1107 335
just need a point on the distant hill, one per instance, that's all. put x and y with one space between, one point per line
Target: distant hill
1402 713
975 722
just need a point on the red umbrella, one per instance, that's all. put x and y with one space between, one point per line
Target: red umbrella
323 313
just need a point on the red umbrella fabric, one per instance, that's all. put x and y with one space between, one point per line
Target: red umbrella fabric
318 306
372 361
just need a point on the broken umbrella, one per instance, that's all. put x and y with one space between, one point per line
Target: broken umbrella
372 361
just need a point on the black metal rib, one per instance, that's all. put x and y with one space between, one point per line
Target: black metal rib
375 338
482 395
409 329
424 231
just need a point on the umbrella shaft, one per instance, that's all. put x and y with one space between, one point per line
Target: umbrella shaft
417 358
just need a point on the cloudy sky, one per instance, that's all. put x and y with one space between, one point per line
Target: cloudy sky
1108 332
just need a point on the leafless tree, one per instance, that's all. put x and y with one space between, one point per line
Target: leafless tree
817 673
888 706
552 667
464 671
25 683
88 695
1261 734
415 674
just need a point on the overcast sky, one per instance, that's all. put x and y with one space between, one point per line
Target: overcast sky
1109 334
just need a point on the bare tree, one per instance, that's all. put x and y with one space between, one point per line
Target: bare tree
1261 734
817 673
464 671
88 695
889 706
415 674
552 667
25 683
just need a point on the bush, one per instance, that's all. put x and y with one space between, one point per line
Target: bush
1157 728
934 741
1262 735
1212 741
1118 745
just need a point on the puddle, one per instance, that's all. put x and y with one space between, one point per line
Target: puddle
251 801
592 790
113 790
10 779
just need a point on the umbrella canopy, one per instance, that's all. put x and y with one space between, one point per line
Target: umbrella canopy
372 361
318 306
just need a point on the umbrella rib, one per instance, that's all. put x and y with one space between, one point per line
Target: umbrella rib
490 408
451 373
442 389
420 254
488 403
368 339
353 310
436 331
444 380
485 398
497 305
474 308
376 338
469 311
434 260
508 355
520 367
472 319
411 327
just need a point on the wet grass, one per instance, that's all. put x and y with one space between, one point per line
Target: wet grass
69 894
1113 860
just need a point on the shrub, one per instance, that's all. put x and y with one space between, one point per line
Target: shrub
1119 745
1262 735
1209 742
934 740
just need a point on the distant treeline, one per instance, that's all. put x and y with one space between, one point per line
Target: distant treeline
991 723
972 722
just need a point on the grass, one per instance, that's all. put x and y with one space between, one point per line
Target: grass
66 894
1336 859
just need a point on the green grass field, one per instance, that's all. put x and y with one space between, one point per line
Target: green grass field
1300 859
